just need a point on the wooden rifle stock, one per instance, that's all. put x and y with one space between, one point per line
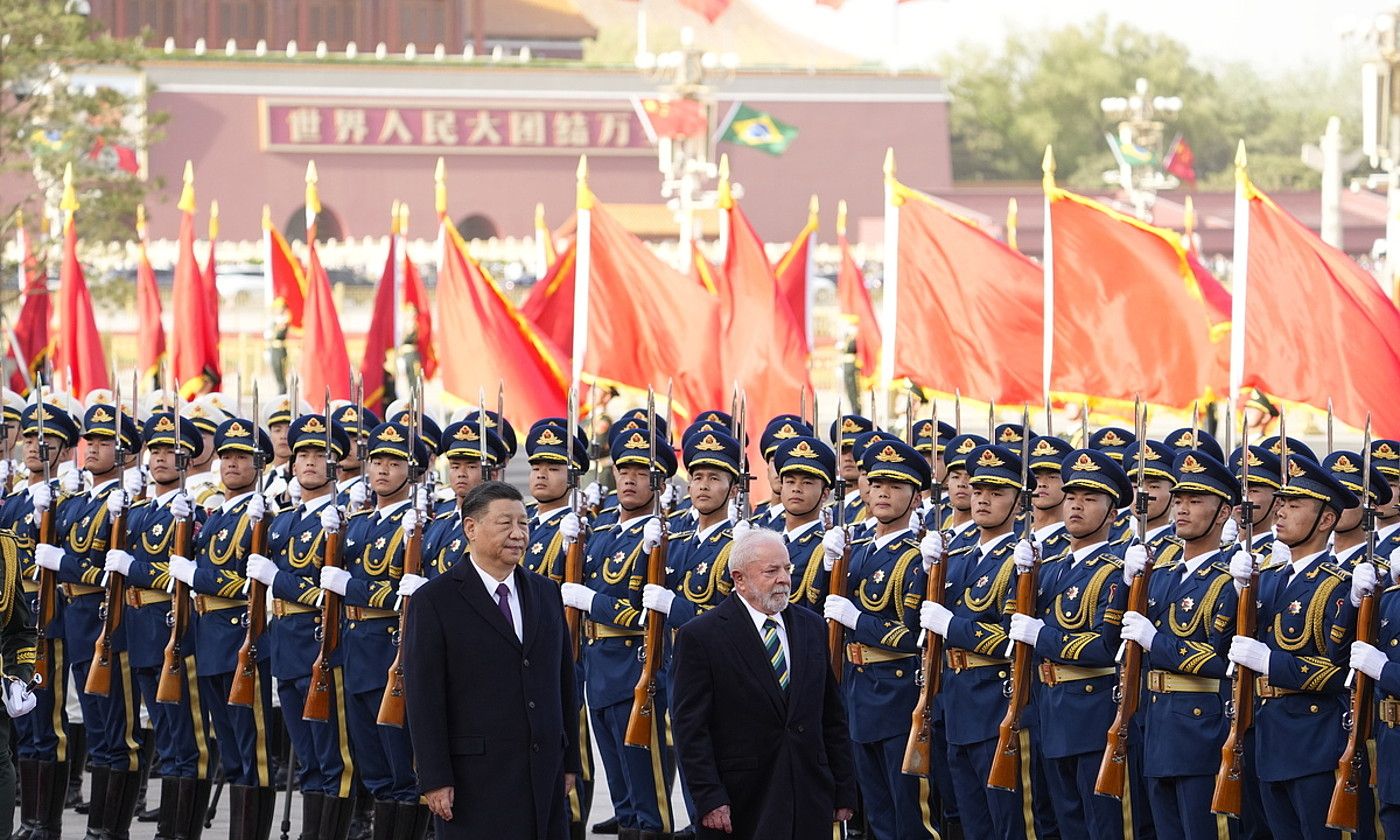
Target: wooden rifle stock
835 630
391 706
573 573
241 692
1113 767
1342 811
639 722
918 758
171 686
1006 761
99 676
318 698
47 598
1229 780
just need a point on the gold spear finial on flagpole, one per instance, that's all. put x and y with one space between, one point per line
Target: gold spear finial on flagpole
726 192
187 202
69 203
841 217
583 196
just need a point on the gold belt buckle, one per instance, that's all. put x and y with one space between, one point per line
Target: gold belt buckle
1047 674
855 652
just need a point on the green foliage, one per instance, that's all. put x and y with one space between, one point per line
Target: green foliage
1045 88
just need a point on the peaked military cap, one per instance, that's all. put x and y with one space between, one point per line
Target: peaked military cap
58 423
1159 459
1096 470
1048 452
632 447
545 443
392 440
923 435
1111 440
845 429
238 434
1348 469
1309 480
782 428
160 430
309 432
997 466
712 449
806 455
1197 471
1204 441
955 456
100 420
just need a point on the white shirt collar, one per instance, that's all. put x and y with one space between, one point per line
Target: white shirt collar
964 529
313 505
388 510
995 543
164 498
759 618
851 496
1382 533
229 503
97 488
545 516
881 542
1300 564
1190 567
1085 553
1044 532
512 595
1157 532
345 483
775 511
795 534
701 536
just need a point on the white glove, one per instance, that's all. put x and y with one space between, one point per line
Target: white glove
261 569
1394 563
116 503
1024 556
1250 653
334 580
330 519
1135 560
916 518
409 522
1230 533
841 611
1025 629
1138 629
1368 659
1363 582
42 495
18 702
657 598
651 534
569 527
180 506
1281 555
668 495
257 507
71 482
833 544
134 480
935 618
593 495
742 527
732 511
359 494
408 584
48 556
182 569
4 473
578 596
931 548
117 561
1242 568
293 492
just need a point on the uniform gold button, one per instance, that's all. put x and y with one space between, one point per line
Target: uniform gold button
1088 689
233 621
1196 712
898 672
627 643
1001 674
860 669
1154 698
1312 709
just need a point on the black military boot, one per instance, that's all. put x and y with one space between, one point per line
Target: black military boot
50 791
312 806
242 812
267 811
361 814
97 801
607 826
123 786
335 818
384 814
191 804
629 833
411 821
168 809
77 764
29 804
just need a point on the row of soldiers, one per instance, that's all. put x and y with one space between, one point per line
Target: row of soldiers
352 525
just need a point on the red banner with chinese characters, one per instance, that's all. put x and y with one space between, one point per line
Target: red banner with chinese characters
477 128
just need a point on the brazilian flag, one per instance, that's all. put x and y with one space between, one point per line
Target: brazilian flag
758 130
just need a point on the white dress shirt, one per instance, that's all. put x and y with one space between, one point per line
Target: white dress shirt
759 618
512 597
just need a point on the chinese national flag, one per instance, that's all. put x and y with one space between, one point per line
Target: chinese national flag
791 274
209 279
710 10
30 343
1316 324
1117 282
324 359
150 332
969 308
285 279
379 339
550 304
78 350
854 300
1181 161
492 342
675 117
193 364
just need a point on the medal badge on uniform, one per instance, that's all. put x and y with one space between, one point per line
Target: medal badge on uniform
879 576
1295 607
1188 604
1072 593
537 548
982 581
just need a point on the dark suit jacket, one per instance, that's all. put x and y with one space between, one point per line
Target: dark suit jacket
780 760
495 719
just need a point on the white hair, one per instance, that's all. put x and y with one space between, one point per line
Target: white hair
747 547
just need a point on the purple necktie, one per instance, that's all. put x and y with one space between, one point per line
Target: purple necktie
503 596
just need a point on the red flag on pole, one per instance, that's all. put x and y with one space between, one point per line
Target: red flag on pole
550 303
1181 161
193 365
28 345
375 372
853 297
209 280
150 331
793 272
324 359
78 351
415 294
710 10
285 280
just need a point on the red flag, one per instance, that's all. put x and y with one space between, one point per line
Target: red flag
1301 290
550 304
324 360
190 356
710 10
415 294
854 300
115 157
285 280
492 342
150 332
78 350
675 117
957 283
30 344
791 271
1117 280
379 339
209 280
1181 161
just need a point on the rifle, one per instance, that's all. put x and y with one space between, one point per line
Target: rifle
99 677
48 581
573 558
318 698
1229 780
171 687
837 582
640 729
1005 773
1342 810
241 692
1113 767
391 706
741 501
918 758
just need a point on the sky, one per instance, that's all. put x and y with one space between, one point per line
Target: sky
1281 34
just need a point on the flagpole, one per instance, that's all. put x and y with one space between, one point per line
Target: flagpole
889 303
1047 330
726 203
1239 281
268 294
398 221
582 270
813 209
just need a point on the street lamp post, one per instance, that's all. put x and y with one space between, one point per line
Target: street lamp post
1380 126
1139 150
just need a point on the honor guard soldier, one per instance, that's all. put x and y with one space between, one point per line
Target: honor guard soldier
17 640
975 621
444 543
1076 635
1188 438
202 484
11 407
1158 482
924 443
606 504
372 558
1265 478
216 577
1114 441
886 583
77 559
1349 537
291 571
1306 620
615 564
769 513
1186 633
962 531
351 488
1381 662
41 745
277 420
432 436
1385 459
503 430
843 439
181 728
1295 447
806 470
